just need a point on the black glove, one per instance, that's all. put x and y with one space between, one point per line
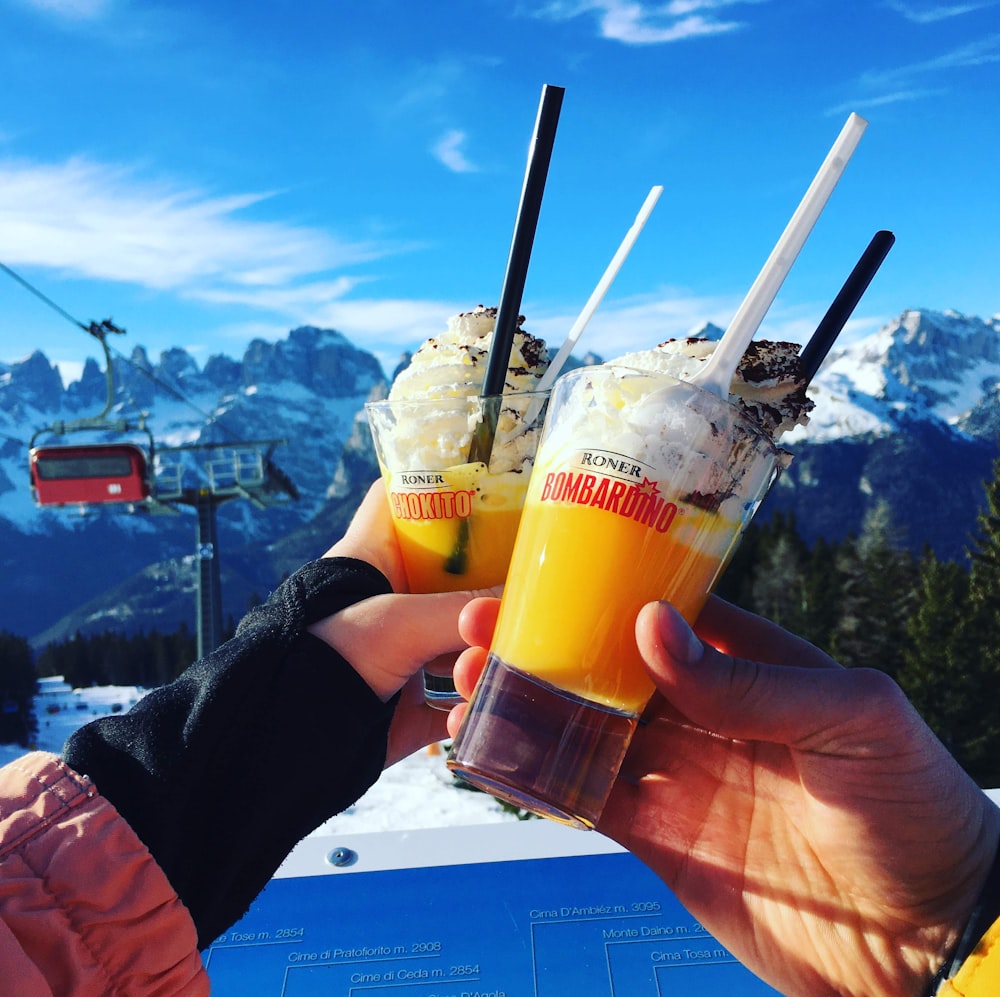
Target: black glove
224 770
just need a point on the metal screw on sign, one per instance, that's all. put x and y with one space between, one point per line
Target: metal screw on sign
342 857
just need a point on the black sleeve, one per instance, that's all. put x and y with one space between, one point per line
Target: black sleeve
224 770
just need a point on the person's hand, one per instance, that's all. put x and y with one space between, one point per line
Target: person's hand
370 537
803 812
388 638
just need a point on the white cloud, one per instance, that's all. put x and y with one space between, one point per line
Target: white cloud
388 327
637 22
104 222
900 79
981 52
428 83
898 97
934 12
385 327
642 322
902 83
74 10
397 322
673 313
449 149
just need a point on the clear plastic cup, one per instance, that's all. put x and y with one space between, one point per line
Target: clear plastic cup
455 519
641 489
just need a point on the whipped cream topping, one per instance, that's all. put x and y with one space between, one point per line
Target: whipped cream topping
454 363
711 455
767 384
453 366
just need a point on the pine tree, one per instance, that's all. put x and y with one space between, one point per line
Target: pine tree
934 674
823 594
984 575
778 589
952 666
162 664
184 649
18 724
110 658
879 594
978 642
736 582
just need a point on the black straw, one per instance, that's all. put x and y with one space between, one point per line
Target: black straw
536 171
508 310
844 303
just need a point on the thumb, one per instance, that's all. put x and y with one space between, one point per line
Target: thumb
738 698
387 638
370 537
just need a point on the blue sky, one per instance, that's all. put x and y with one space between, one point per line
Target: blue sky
209 173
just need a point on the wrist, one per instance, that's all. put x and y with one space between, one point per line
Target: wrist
984 914
329 585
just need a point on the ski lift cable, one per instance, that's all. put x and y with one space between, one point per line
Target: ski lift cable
138 466
97 329
38 294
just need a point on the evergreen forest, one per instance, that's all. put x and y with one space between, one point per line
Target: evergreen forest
933 625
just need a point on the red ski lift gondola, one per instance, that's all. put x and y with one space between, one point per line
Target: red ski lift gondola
89 474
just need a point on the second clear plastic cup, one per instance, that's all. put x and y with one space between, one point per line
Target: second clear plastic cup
455 519
641 488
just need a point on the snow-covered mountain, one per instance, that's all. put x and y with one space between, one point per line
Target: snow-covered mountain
307 390
940 367
911 415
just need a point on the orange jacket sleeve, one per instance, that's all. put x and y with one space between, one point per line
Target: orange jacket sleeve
73 879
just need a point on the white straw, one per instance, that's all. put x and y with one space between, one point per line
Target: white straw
559 360
717 373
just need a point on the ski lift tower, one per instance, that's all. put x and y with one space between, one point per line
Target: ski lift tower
220 472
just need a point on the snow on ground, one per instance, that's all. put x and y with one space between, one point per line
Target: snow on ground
60 710
416 793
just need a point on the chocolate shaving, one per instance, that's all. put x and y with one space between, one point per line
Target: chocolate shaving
709 502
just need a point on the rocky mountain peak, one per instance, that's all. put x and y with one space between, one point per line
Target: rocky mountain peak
32 383
928 346
709 331
933 365
90 392
322 360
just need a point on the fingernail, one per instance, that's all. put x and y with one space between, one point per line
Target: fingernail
679 640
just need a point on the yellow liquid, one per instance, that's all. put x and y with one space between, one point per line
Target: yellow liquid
456 532
579 577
